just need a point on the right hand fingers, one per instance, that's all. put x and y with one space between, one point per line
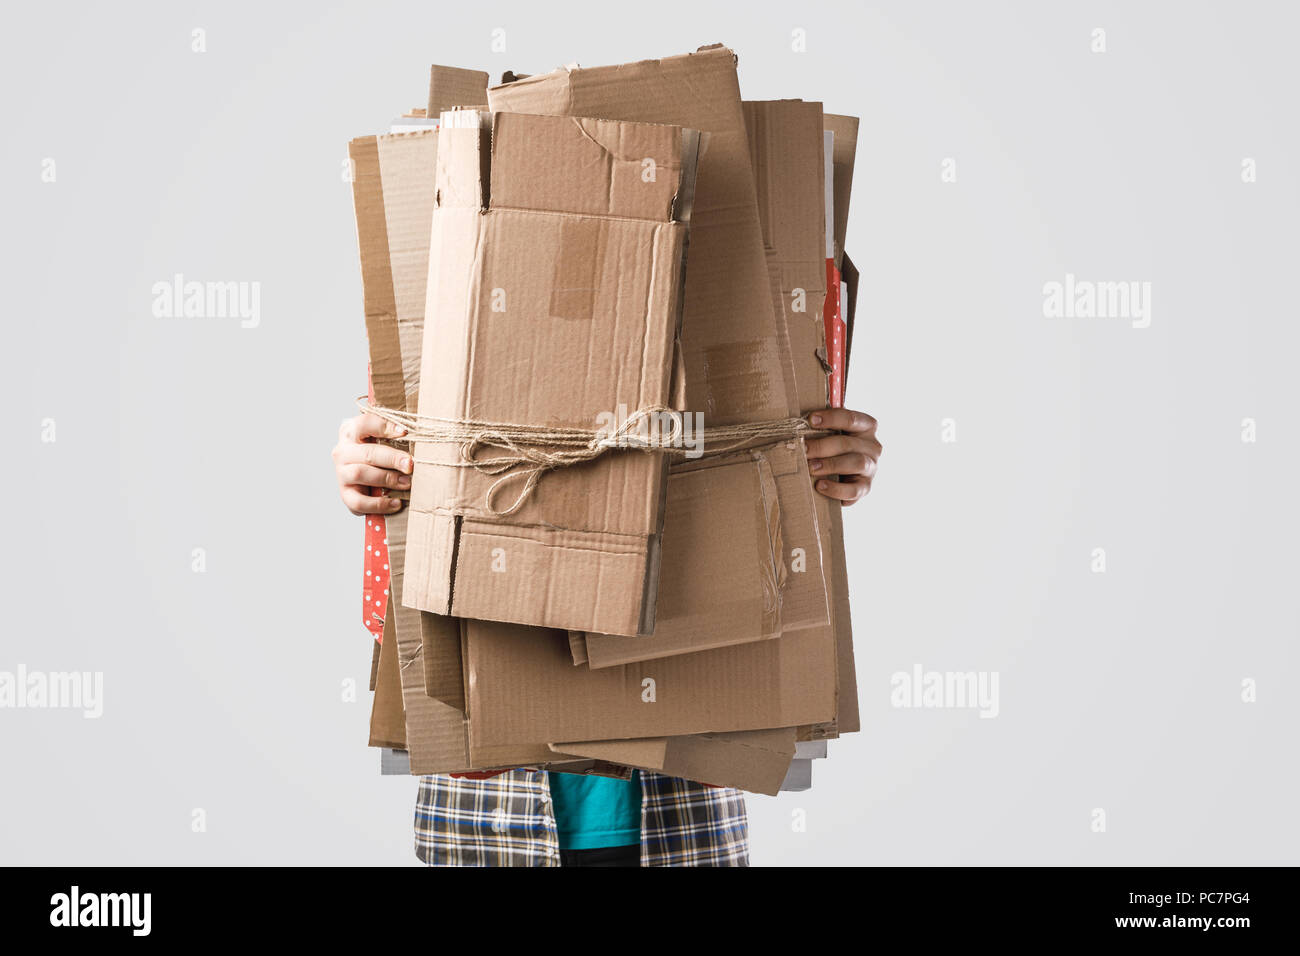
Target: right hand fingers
357 473
360 503
369 425
373 454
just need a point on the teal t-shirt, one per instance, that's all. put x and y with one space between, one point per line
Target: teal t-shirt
592 811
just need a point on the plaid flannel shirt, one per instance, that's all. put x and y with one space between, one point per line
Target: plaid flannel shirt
507 820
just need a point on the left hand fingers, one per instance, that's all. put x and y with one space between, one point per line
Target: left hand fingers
848 491
843 419
852 464
833 445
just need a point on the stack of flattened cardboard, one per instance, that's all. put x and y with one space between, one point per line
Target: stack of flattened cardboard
585 247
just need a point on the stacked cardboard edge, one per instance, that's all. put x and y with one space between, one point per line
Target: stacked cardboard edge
560 251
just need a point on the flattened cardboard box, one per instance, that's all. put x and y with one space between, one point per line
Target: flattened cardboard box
757 761
787 151
393 200
387 715
451 86
522 685
437 735
735 370
738 365
554 298
712 592
393 189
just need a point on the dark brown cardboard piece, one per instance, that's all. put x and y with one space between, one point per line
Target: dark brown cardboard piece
756 760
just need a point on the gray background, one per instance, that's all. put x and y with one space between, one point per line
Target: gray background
1119 691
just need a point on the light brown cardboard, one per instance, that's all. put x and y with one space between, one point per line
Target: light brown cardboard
786 148
755 760
788 156
712 592
845 129
737 355
554 297
785 143
735 371
387 715
451 86
437 734
522 685
393 202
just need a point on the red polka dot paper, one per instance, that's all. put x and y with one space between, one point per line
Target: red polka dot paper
374 588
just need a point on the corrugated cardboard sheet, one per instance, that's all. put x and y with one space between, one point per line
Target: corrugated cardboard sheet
554 298
757 761
742 643
737 357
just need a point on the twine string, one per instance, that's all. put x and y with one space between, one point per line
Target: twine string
526 452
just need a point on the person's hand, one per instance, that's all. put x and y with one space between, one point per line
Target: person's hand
365 466
851 455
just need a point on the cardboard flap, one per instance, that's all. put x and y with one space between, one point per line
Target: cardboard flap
735 367
523 685
451 86
589 166
756 760
387 715
845 129
706 602
376 274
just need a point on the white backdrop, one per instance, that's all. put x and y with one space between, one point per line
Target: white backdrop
1021 451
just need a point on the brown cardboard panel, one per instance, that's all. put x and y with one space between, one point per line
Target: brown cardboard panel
440 648
376 275
785 139
712 592
704 602
543 315
406 163
450 86
846 720
393 193
845 129
787 149
436 732
374 664
387 715
737 352
735 369
522 685
755 760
